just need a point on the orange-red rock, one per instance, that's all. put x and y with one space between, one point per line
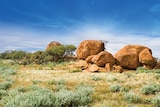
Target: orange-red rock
89 59
81 64
93 68
89 47
108 67
117 68
102 58
128 56
146 58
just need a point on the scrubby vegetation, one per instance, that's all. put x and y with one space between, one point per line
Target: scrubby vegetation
61 84
36 96
57 53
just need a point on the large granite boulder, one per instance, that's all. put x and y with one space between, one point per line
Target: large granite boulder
89 47
133 56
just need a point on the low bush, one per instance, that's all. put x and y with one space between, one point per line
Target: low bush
156 100
144 70
141 70
6 71
132 97
157 76
95 78
150 89
57 82
3 93
42 97
5 85
115 88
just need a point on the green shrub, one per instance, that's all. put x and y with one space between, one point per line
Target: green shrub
124 89
37 98
36 81
42 97
57 82
95 78
132 97
141 70
7 71
156 100
157 76
5 85
115 88
150 89
60 84
3 93
80 97
157 71
112 79
52 82
22 89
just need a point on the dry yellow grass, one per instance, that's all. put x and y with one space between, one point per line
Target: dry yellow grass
102 96
101 83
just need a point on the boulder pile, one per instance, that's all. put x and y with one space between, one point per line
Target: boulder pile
93 57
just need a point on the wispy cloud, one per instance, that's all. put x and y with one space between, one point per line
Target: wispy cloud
22 39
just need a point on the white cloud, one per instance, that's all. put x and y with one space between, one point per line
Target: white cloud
21 39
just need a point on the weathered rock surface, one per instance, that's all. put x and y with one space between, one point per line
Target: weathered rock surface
81 64
89 59
129 57
89 47
93 68
117 68
146 58
53 44
102 58
108 67
157 66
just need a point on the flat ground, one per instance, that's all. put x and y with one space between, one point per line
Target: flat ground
109 89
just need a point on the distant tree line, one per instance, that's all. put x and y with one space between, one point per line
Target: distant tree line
57 53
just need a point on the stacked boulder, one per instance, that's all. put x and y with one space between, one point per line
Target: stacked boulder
94 58
92 52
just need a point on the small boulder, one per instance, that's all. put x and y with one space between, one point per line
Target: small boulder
117 68
146 58
102 69
81 64
89 47
93 68
103 58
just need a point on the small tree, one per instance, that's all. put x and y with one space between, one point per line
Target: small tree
69 49
57 52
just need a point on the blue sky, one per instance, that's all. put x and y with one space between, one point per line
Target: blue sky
31 24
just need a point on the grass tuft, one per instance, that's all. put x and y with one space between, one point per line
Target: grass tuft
115 88
150 89
5 85
156 100
132 97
